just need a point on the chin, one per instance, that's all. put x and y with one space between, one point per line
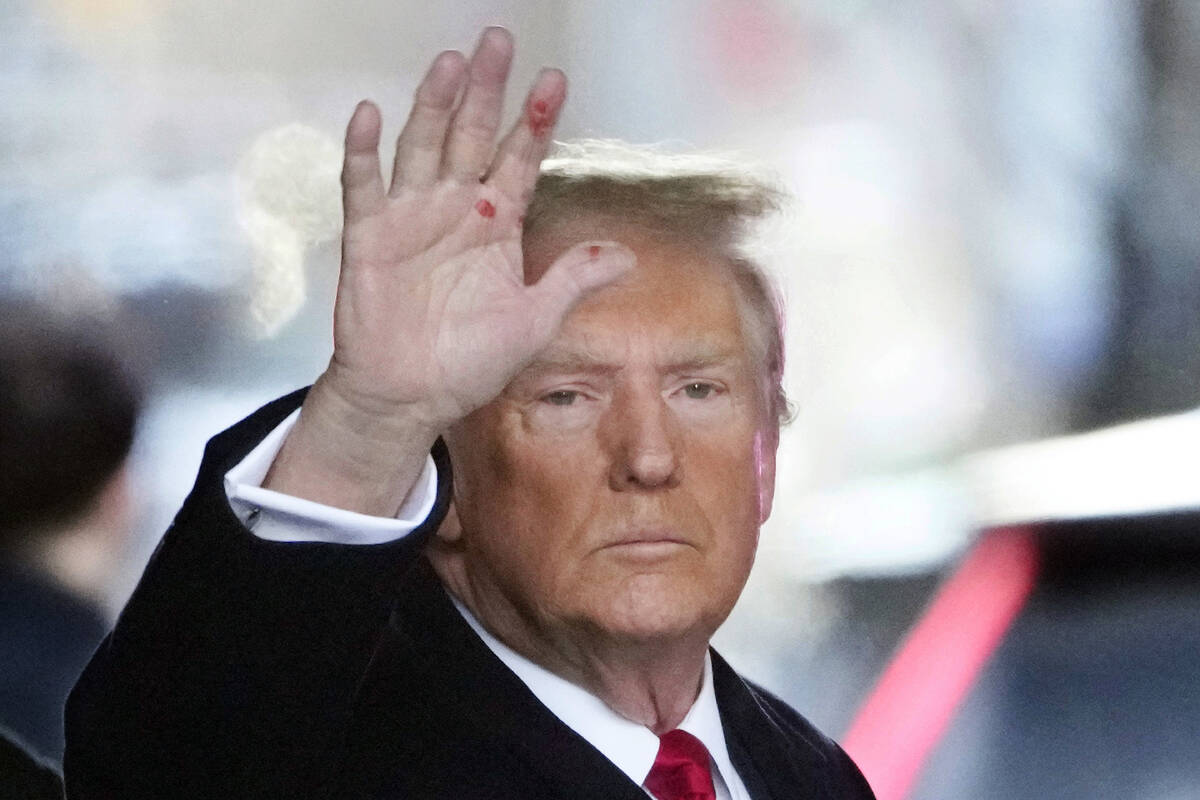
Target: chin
653 608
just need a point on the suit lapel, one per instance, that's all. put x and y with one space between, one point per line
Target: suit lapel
429 657
775 764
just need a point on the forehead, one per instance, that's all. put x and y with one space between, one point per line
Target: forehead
682 295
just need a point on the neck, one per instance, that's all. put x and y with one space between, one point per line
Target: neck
652 682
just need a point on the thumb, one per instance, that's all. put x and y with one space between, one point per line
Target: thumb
580 270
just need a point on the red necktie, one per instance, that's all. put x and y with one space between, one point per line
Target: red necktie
680 770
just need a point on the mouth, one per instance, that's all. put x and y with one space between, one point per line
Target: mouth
648 545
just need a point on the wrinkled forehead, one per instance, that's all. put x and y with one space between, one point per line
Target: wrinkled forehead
685 295
676 287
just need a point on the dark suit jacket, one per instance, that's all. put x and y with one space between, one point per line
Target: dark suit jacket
247 668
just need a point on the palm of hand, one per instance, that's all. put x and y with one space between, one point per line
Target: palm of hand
435 309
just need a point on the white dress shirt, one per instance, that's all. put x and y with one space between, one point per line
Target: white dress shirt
628 745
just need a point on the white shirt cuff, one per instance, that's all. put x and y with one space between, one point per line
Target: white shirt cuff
280 517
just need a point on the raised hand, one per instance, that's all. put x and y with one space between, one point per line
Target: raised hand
433 316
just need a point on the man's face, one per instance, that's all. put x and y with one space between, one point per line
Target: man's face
616 487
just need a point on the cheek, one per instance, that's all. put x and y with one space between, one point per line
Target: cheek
729 465
530 541
550 477
735 502
731 494
498 466
520 497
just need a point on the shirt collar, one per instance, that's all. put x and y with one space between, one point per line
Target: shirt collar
630 746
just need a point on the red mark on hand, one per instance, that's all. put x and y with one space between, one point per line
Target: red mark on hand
485 209
540 118
594 251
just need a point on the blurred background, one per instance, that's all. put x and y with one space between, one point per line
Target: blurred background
992 269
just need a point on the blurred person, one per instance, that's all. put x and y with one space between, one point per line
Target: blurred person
600 369
67 415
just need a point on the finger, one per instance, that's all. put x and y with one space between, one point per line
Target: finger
362 185
515 167
419 147
579 271
472 136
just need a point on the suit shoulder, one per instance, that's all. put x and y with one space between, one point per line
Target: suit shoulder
797 728
789 719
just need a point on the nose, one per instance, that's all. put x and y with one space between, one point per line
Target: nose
644 443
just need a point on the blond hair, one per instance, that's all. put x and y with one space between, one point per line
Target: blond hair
708 201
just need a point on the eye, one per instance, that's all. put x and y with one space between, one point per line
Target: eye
562 397
699 391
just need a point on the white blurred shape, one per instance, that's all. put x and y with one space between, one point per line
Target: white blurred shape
278 284
1142 467
289 199
292 173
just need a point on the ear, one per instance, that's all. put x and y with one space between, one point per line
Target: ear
766 443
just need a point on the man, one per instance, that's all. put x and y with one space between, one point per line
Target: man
68 410
604 371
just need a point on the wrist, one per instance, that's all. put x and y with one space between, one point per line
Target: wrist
351 455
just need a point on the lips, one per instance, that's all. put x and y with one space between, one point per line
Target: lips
648 543
649 535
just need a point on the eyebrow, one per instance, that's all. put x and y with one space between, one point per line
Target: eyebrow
694 356
570 361
696 362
